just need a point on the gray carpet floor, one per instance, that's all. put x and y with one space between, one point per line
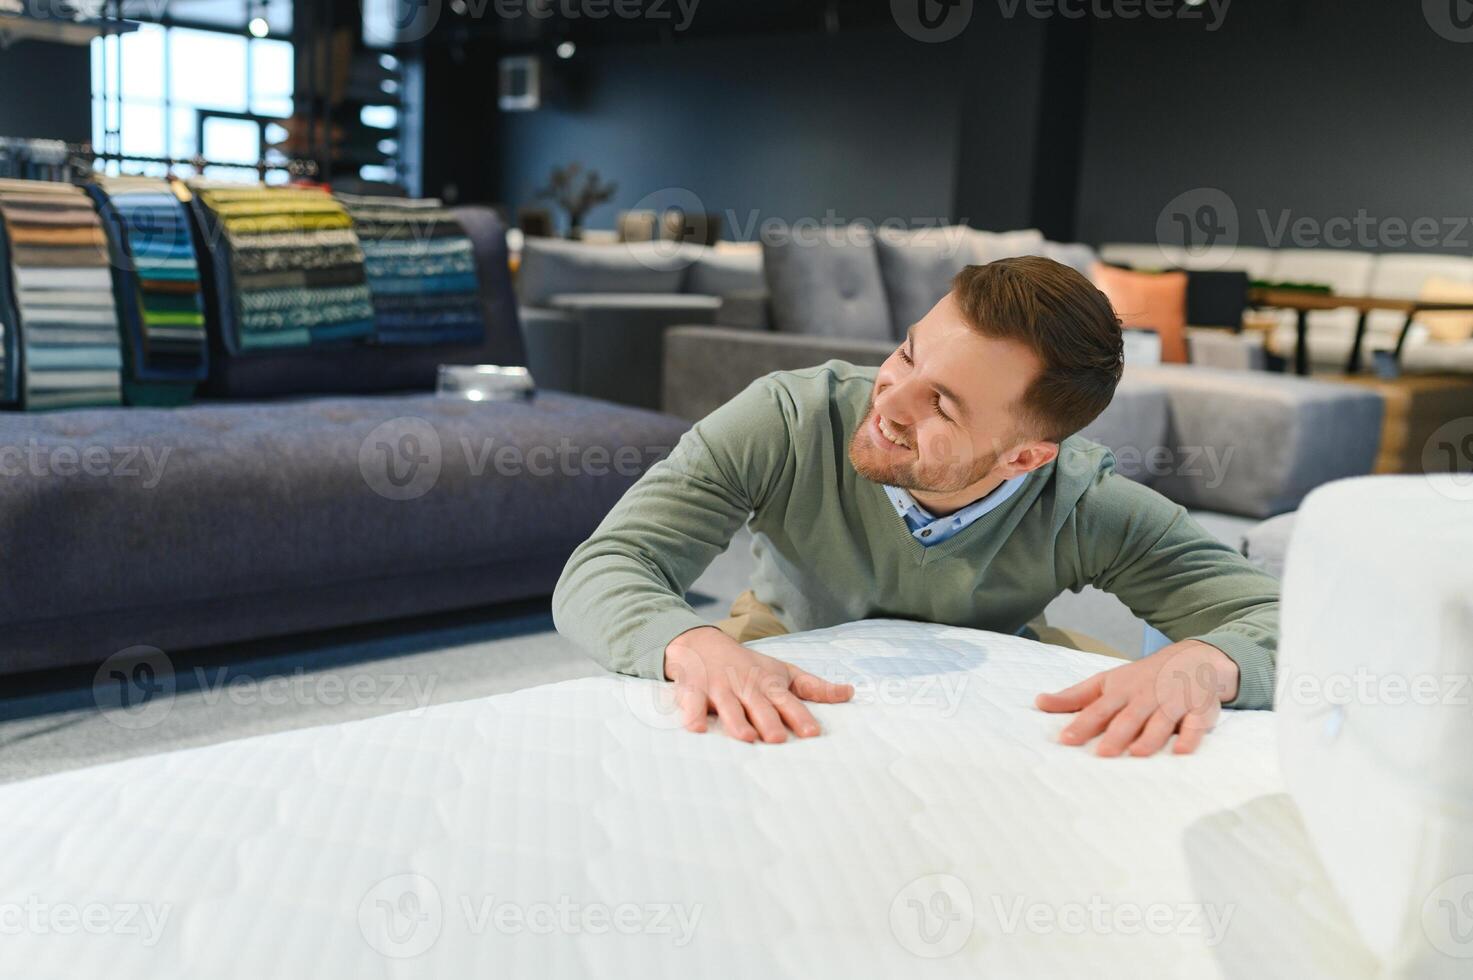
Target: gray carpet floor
52 723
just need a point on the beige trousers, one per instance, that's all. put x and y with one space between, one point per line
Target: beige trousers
751 619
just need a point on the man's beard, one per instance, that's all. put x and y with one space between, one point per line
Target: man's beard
907 475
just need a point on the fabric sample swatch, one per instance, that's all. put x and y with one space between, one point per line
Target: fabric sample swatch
157 289
420 269
62 343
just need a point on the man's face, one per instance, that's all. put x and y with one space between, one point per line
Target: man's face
943 417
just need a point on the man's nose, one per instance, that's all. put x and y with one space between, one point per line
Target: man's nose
897 402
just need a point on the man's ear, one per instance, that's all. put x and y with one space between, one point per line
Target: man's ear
1030 456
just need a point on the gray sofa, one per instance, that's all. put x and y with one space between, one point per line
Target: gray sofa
852 296
1236 442
230 521
594 316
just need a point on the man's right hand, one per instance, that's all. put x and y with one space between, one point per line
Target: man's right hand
753 695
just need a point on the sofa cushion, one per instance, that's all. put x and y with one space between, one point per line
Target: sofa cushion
1149 301
551 266
827 283
717 272
917 268
1076 255
1446 326
216 523
989 246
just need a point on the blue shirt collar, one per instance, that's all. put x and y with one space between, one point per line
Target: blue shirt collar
929 529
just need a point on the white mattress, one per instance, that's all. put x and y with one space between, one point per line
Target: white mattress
567 831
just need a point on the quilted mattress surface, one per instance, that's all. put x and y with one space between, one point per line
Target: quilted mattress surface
935 829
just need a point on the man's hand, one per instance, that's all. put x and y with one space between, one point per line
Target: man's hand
753 695
1179 688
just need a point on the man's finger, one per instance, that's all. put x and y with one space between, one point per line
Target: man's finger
1073 698
1126 725
795 715
1092 720
763 716
811 688
693 709
1153 738
733 716
1194 726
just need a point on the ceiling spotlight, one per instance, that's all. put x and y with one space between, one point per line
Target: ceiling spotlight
566 50
258 27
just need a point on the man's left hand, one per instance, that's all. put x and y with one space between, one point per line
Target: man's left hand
1138 706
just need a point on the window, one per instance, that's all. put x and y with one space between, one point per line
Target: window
178 91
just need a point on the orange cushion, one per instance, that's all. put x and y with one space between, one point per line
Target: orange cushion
1149 301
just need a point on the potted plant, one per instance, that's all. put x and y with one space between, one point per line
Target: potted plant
577 192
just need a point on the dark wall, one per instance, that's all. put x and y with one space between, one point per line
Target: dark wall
1319 107
860 125
47 91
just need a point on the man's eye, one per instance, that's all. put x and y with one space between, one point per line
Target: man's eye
936 403
903 355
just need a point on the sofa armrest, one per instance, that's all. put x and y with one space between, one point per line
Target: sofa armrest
1253 443
620 340
746 308
707 366
551 340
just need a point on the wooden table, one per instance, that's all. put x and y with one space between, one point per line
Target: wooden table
1305 301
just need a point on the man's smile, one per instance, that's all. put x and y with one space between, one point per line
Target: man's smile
890 432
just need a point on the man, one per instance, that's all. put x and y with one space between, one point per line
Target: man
945 486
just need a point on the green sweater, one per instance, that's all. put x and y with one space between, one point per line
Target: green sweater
830 548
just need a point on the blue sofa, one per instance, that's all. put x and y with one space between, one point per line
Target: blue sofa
233 520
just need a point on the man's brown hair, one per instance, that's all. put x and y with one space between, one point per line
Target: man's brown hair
1059 315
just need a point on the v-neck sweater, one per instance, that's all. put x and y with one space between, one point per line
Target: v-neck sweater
830 547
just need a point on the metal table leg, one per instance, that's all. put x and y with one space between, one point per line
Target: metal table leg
1301 352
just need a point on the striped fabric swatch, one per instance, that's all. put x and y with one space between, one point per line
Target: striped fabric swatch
69 349
165 350
421 271
9 322
288 266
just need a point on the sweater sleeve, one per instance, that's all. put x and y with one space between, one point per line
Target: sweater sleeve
621 595
1147 551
